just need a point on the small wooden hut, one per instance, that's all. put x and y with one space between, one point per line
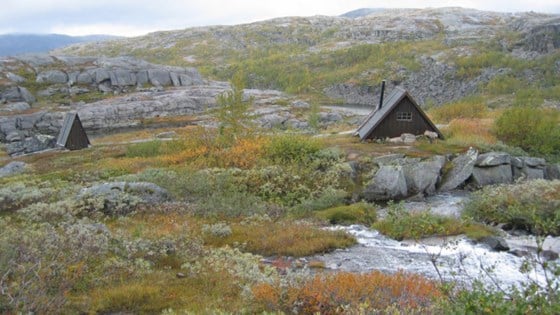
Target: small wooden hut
397 114
72 136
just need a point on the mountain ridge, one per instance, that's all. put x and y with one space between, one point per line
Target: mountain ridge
21 43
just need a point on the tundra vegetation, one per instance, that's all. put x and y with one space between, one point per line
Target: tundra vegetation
243 205
236 196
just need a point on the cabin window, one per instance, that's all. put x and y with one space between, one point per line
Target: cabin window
404 116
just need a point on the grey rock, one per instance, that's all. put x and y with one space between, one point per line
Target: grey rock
14 78
495 243
15 107
102 75
408 138
534 162
85 78
273 120
520 253
32 144
493 159
528 168
142 78
159 77
330 117
72 77
14 136
388 183
431 134
175 79
105 88
18 94
191 77
549 255
552 171
52 76
388 159
297 124
300 104
462 168
422 177
122 78
500 174
12 168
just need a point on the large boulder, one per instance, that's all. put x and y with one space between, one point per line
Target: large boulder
388 183
12 168
122 78
495 243
528 168
159 77
52 76
461 169
36 143
492 168
552 171
423 176
18 94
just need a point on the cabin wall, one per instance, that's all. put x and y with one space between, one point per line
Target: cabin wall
77 139
390 127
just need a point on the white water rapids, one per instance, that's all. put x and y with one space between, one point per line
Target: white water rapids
456 258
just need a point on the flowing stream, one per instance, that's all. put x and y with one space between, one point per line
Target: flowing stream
454 258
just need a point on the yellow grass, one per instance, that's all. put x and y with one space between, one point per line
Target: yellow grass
470 131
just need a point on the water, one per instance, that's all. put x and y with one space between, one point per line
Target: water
452 258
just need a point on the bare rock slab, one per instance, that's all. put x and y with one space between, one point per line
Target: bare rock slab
462 169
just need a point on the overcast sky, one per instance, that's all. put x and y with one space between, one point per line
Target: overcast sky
138 17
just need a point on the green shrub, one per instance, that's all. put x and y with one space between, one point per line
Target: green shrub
531 205
534 130
362 213
286 149
401 224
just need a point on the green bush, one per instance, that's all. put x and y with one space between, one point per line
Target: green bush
402 224
535 130
531 205
286 149
362 213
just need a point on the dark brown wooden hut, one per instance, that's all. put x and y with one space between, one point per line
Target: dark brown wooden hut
72 136
399 113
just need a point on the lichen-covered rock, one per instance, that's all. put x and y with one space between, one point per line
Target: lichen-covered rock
423 176
552 171
389 183
52 76
492 168
36 143
462 168
528 168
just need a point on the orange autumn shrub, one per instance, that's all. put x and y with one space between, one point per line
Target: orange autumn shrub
340 292
244 153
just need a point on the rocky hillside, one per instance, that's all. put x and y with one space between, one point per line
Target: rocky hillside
441 55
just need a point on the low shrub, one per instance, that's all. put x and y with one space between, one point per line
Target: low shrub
284 238
531 205
471 132
402 224
343 292
286 149
362 213
533 129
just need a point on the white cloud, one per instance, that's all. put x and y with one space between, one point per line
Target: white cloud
134 17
